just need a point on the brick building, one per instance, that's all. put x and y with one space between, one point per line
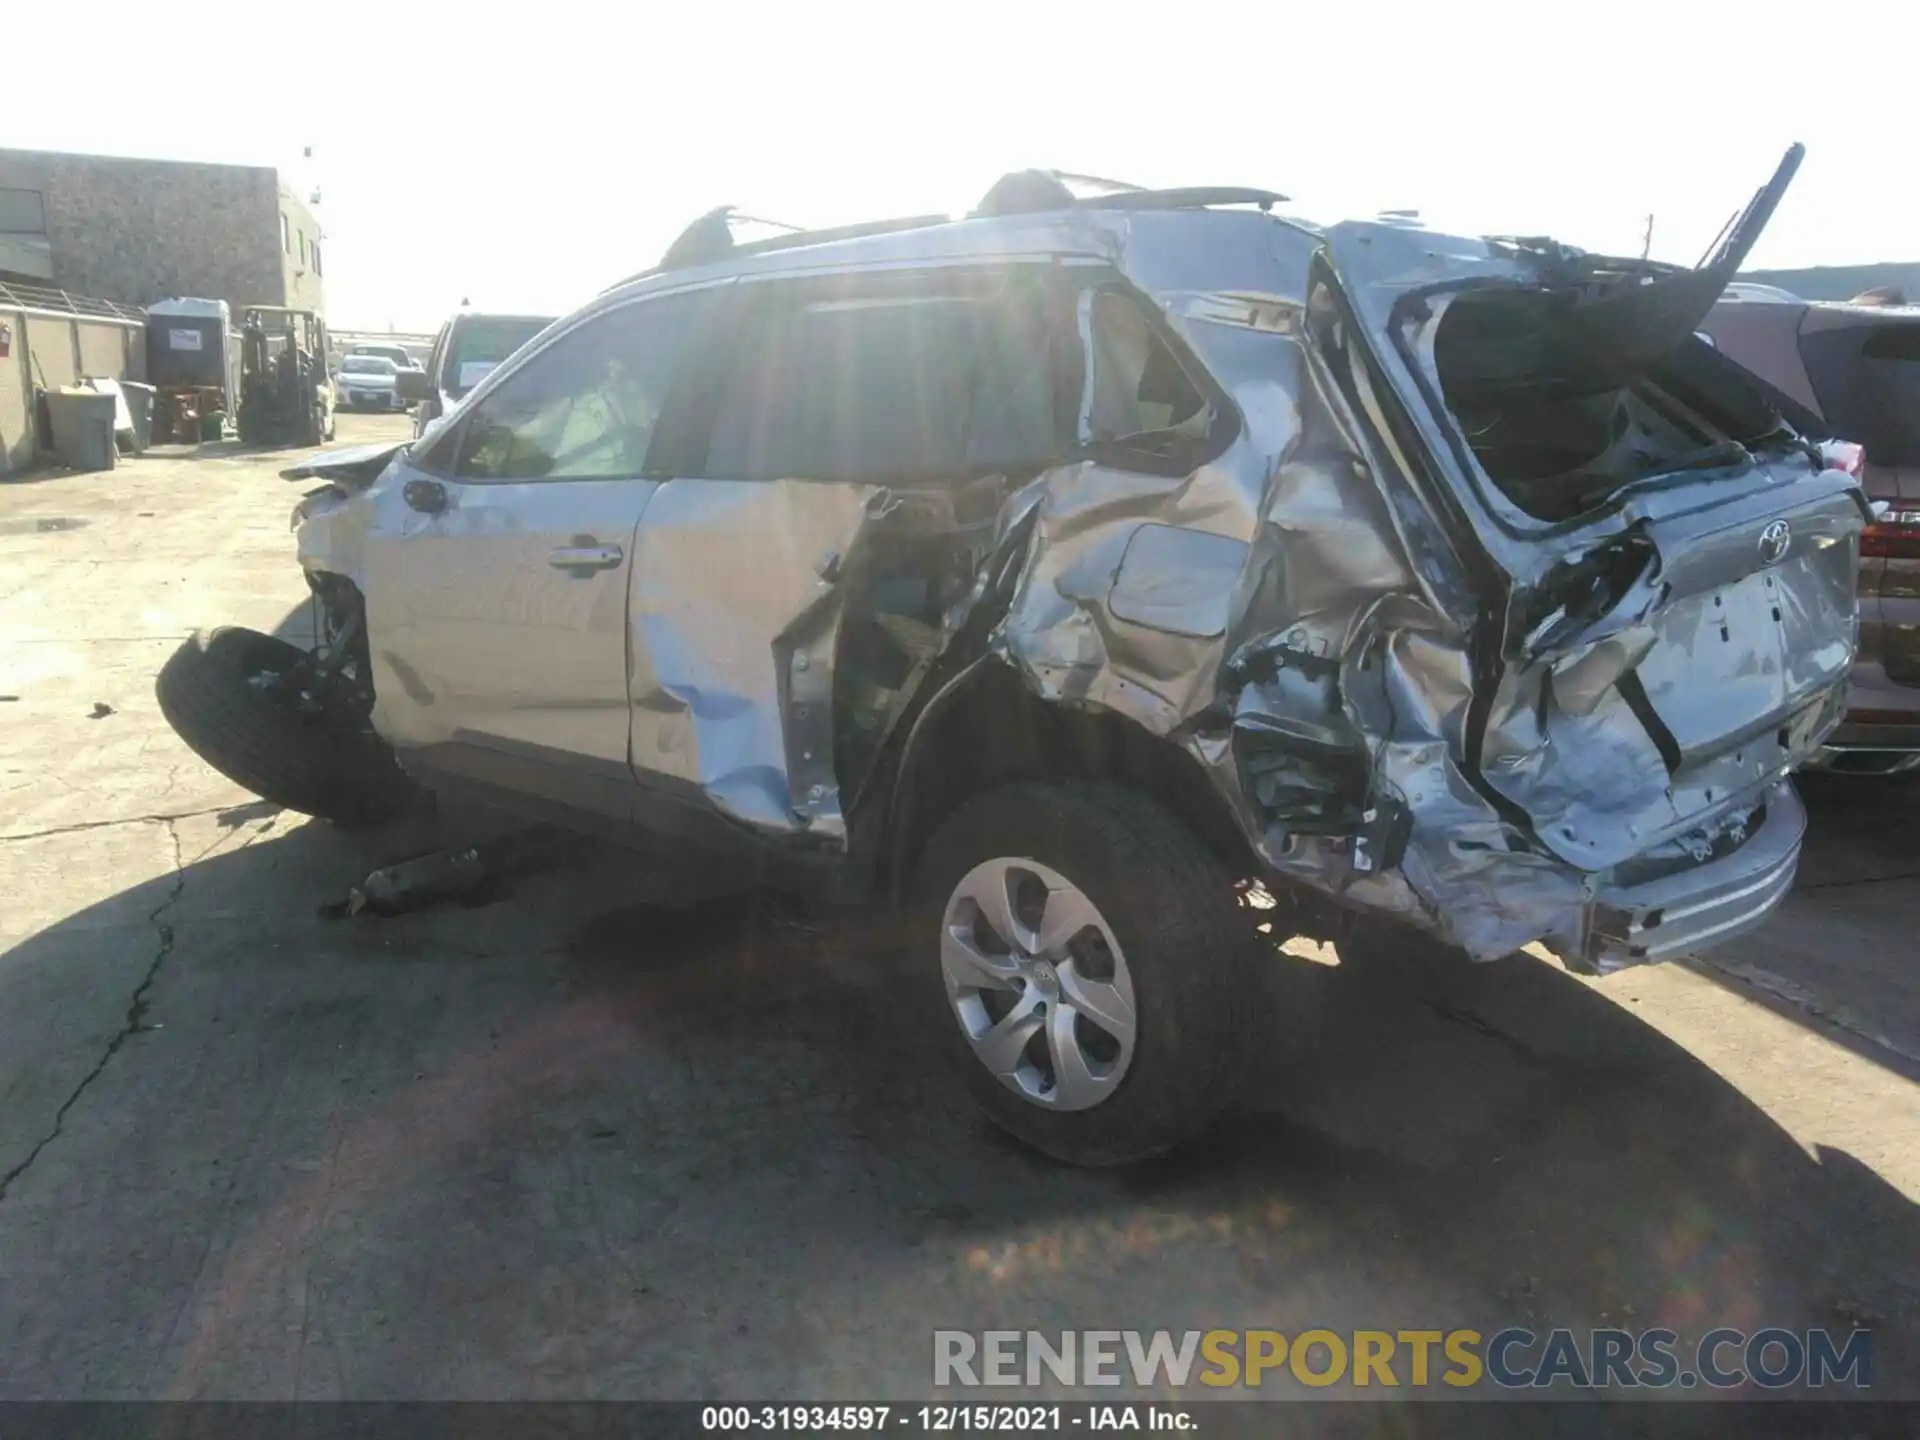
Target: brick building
137 231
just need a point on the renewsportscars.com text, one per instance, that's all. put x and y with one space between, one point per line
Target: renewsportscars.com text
1513 1358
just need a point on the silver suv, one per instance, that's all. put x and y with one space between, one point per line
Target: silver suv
1058 571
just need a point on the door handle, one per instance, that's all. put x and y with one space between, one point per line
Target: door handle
586 557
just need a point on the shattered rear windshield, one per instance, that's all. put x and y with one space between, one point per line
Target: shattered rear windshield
1564 406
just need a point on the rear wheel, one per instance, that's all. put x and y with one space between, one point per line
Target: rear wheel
1092 966
234 696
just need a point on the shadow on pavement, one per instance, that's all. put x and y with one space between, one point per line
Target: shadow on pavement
575 1145
1835 957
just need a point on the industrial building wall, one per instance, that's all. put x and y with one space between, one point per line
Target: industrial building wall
302 261
138 231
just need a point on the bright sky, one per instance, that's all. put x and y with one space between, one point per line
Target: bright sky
526 155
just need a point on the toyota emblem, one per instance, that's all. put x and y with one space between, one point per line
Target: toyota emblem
1775 540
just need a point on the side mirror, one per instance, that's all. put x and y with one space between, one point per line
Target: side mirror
429 497
413 385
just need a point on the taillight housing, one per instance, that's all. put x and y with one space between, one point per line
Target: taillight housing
1893 534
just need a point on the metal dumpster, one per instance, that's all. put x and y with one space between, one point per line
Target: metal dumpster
82 422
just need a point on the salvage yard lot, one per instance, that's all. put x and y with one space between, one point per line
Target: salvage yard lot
615 1133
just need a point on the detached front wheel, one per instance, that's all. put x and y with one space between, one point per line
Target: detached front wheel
1093 966
233 695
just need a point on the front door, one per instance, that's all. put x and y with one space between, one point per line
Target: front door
501 556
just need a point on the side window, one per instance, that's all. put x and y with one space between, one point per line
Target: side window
1138 395
585 407
929 384
1016 410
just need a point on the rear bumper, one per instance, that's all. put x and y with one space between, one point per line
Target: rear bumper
1712 903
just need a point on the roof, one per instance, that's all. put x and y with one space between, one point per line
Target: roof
1841 282
1026 195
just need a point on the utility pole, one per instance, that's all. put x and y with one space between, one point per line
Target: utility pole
1646 245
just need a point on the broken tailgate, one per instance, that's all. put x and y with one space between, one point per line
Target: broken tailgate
1665 571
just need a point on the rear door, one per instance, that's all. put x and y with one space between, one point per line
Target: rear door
500 560
798 574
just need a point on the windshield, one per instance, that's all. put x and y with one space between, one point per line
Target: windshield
480 343
367 365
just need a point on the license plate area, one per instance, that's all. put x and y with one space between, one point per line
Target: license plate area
1744 657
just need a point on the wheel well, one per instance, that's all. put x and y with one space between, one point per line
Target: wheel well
341 654
992 730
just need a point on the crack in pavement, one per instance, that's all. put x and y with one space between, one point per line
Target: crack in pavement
1801 998
166 818
136 1015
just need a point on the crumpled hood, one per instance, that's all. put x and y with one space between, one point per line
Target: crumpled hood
352 466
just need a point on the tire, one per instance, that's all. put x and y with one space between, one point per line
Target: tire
300 761
1177 934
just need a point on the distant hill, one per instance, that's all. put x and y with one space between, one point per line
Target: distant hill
1841 282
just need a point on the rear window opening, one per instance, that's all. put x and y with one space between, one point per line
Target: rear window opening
1562 415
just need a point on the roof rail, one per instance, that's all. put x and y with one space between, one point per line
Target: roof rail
709 239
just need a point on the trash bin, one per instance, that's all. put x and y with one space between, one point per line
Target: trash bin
213 425
82 422
140 407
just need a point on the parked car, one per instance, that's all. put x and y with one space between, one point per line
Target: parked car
1851 373
401 357
468 349
366 382
1055 571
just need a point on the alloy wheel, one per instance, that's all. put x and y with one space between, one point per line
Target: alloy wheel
1038 983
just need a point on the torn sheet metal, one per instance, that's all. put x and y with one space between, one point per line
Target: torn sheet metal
771 693
732 686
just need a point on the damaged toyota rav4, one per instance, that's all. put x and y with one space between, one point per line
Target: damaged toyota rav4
1059 571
